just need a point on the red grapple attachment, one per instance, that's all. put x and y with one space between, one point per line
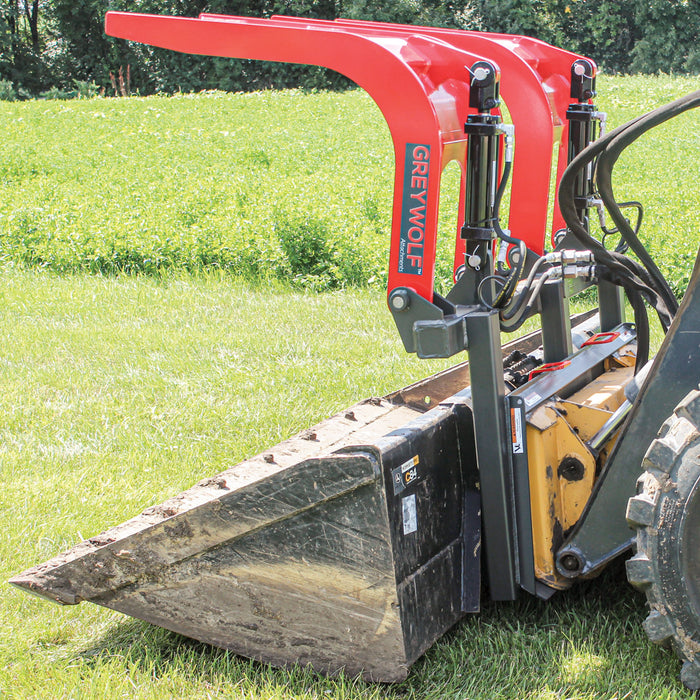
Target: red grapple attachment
356 544
419 77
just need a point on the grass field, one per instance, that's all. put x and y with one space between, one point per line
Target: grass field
119 391
286 185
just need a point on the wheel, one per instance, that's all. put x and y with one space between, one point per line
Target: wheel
666 515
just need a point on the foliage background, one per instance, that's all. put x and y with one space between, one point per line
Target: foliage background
58 47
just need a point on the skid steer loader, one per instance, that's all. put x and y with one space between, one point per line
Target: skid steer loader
356 544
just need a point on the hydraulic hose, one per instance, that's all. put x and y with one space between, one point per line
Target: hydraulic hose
612 260
604 167
566 194
637 274
506 293
639 282
641 318
519 303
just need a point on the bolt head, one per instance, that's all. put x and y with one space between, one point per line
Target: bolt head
399 300
570 563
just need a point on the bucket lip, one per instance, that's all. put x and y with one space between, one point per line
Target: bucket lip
181 527
316 442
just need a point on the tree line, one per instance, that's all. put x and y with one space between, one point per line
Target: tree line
57 48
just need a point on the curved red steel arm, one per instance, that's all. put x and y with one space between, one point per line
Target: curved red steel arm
419 83
418 76
535 84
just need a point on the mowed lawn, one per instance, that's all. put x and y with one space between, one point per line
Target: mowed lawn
121 390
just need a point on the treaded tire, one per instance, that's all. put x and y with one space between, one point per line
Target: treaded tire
666 515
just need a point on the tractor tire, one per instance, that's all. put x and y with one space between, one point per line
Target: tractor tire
666 515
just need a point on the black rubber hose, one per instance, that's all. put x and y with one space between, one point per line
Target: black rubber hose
641 318
506 293
566 185
604 167
636 272
627 205
589 154
567 194
512 309
505 176
641 321
518 312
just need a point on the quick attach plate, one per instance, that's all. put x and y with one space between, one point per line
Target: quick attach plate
563 379
576 371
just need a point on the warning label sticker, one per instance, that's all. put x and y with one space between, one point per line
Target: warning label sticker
410 516
516 430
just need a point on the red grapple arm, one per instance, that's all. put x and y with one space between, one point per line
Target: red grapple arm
419 78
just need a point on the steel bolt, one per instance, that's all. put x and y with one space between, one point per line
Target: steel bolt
570 562
481 73
400 300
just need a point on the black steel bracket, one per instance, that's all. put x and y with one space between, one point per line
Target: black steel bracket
431 330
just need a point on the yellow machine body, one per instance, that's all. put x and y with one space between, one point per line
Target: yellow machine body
563 469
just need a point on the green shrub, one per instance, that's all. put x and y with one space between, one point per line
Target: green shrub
7 91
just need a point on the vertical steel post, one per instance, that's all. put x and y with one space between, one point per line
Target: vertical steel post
611 304
556 322
495 473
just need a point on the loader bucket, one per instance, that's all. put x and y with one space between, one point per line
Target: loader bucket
352 546
341 548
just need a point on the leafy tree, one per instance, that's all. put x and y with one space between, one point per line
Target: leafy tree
605 30
58 44
669 38
21 44
611 34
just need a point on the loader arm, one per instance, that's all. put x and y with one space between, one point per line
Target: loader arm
602 533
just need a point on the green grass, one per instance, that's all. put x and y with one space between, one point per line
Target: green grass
119 392
235 182
271 185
